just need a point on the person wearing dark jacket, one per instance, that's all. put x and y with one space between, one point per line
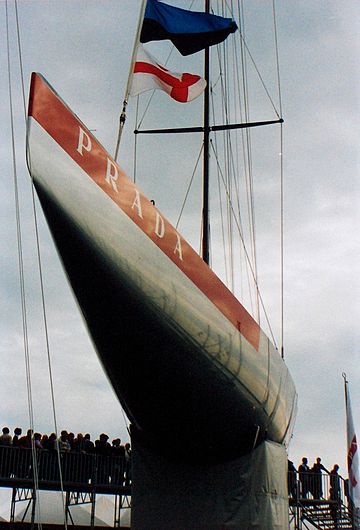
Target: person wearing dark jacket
316 478
304 476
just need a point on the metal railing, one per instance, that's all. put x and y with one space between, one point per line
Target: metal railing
317 486
87 470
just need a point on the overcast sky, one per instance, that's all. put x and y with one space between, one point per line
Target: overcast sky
83 49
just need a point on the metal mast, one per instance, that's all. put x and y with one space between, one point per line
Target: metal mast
205 210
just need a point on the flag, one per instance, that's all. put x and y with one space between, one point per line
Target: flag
149 74
189 31
352 453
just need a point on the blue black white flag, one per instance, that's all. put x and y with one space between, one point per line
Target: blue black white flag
189 31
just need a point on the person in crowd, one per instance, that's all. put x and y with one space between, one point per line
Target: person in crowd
64 445
6 438
16 437
78 445
71 440
37 441
25 441
52 457
45 441
103 450
15 465
316 478
5 443
335 483
116 448
127 448
51 443
102 446
304 475
335 494
118 462
24 467
292 483
40 457
84 467
88 444
88 447
64 448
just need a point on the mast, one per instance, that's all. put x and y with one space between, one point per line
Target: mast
130 77
205 210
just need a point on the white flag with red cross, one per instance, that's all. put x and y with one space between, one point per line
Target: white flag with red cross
149 74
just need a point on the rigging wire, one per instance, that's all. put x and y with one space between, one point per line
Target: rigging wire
20 57
277 58
229 154
238 103
248 151
236 165
225 92
41 281
220 195
136 139
282 237
244 247
260 78
189 186
232 165
229 267
281 187
21 269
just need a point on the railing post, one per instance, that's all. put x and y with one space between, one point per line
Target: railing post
33 508
13 504
93 501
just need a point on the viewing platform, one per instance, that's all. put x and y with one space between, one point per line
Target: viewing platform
315 500
320 500
80 476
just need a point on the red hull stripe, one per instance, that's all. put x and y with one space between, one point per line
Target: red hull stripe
64 127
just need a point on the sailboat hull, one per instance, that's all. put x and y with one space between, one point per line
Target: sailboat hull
195 374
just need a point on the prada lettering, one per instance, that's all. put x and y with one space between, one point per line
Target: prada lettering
143 216
84 142
112 174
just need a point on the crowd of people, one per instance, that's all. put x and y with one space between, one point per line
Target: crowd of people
67 442
81 459
305 480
